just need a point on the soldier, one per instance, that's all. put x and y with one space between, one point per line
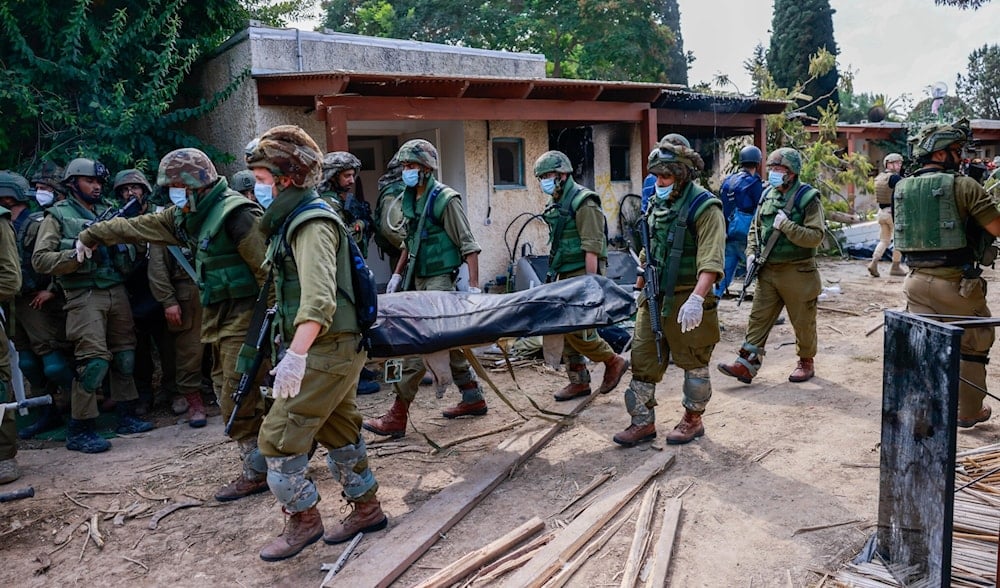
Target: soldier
885 183
243 183
740 193
789 277
12 186
316 377
340 173
439 235
679 209
47 182
98 318
40 325
945 224
221 227
579 245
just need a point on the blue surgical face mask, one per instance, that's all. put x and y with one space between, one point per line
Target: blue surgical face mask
178 196
44 197
775 178
411 177
264 194
549 186
663 192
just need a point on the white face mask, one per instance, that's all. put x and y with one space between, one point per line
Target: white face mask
264 194
178 196
44 197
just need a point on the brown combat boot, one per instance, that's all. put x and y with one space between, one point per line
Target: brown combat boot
740 371
614 369
689 429
635 434
873 268
195 410
475 408
392 423
803 370
571 391
366 517
896 270
982 417
301 530
241 488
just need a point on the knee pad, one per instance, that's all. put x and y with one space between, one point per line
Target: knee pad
57 369
640 396
349 466
31 366
286 477
697 387
92 374
124 362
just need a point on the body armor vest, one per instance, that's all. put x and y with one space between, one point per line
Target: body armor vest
437 254
568 255
772 202
929 230
25 231
664 220
883 193
99 271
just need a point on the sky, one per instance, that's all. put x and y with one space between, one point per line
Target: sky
895 47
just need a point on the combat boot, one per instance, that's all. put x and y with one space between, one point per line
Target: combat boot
635 434
689 429
474 408
302 529
803 370
196 410
366 517
128 422
9 470
896 270
251 481
392 423
873 268
982 417
739 368
179 405
80 436
614 369
48 419
579 383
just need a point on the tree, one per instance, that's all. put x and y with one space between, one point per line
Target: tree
800 28
677 71
980 87
601 39
963 4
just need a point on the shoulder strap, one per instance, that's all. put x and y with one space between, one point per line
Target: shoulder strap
775 233
685 217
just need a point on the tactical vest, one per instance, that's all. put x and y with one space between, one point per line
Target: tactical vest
664 226
100 271
883 193
31 280
288 288
772 202
929 229
568 255
222 273
437 254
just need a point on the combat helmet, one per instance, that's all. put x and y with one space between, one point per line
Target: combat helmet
674 159
788 157
49 174
675 139
82 166
935 137
287 150
188 166
552 161
14 185
243 181
891 158
132 176
750 154
418 151
336 162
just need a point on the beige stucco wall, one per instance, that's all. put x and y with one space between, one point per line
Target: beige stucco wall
612 191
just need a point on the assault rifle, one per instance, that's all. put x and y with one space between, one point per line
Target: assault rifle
752 269
259 342
126 210
651 287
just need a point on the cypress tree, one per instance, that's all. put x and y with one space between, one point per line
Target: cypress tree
677 70
799 28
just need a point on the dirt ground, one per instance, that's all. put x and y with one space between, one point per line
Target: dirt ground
777 457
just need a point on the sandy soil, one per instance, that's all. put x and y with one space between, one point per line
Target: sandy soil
777 457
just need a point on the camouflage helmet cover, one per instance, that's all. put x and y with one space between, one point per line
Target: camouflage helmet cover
892 157
787 157
338 161
50 174
393 175
188 166
675 139
88 168
287 150
667 154
132 176
935 137
243 181
418 151
14 185
553 161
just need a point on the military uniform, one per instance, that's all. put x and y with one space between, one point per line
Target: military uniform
10 284
885 183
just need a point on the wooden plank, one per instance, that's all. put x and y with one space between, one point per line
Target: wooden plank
567 571
571 539
664 545
641 538
461 568
385 561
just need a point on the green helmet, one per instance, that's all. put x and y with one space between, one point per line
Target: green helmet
418 151
287 150
787 157
87 168
552 161
675 139
243 181
132 176
336 162
14 186
188 166
50 174
935 137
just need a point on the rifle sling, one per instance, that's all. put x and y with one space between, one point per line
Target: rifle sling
184 263
676 250
775 233
259 310
412 256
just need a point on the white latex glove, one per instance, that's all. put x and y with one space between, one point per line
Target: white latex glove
780 219
689 316
288 374
750 259
474 290
83 252
393 284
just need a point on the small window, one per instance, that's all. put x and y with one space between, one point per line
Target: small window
508 163
620 164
